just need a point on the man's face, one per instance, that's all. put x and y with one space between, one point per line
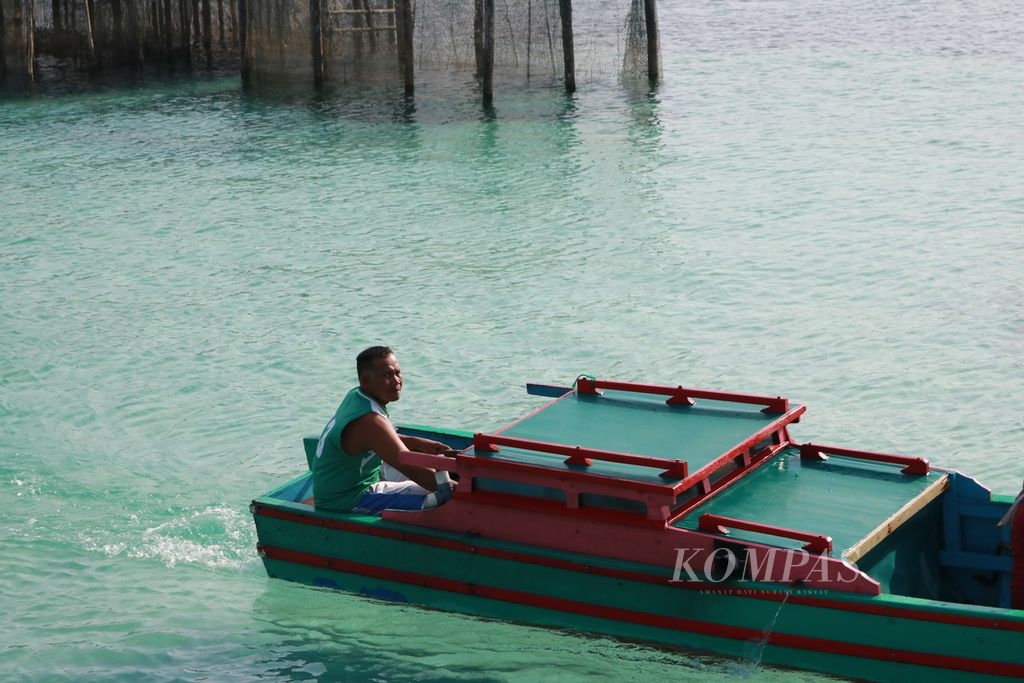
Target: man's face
383 380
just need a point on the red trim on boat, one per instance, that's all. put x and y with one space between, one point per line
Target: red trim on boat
646 618
911 465
775 596
816 543
581 456
681 395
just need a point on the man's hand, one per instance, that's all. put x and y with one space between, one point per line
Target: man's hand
420 445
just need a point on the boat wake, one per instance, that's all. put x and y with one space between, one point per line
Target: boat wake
217 537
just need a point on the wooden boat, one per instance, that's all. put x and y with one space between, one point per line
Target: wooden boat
689 518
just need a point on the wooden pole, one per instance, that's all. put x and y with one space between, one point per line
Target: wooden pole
196 30
56 16
488 51
208 33
3 44
186 32
406 57
529 34
90 44
568 51
220 26
168 32
243 40
316 41
117 14
651 18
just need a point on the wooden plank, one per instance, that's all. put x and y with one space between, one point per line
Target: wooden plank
886 528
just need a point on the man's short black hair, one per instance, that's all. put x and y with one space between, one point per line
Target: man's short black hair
364 361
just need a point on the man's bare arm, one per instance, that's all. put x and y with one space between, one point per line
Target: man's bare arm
373 432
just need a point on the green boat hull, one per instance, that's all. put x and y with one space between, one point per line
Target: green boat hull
875 638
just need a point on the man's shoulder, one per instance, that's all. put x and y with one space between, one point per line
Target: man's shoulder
356 401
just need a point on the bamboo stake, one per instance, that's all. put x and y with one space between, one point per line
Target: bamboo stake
651 19
31 40
207 33
90 45
244 42
3 44
116 12
168 32
529 34
404 28
220 25
568 51
316 41
488 51
186 33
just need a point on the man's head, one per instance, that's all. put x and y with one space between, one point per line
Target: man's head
380 376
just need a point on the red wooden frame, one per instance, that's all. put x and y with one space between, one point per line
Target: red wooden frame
489 443
658 498
816 543
681 395
913 466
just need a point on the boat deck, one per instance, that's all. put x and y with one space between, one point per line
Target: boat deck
719 462
851 501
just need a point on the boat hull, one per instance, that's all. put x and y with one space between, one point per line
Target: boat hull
879 638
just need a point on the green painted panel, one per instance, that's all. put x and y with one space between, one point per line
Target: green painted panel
637 424
842 498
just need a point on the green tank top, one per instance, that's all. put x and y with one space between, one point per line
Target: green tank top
340 479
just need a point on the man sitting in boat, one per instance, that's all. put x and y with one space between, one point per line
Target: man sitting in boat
347 470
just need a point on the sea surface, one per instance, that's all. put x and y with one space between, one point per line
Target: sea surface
820 200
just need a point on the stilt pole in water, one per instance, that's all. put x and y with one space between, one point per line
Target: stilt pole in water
406 58
488 51
220 25
208 33
568 51
3 44
90 44
186 37
243 39
317 41
651 18
168 33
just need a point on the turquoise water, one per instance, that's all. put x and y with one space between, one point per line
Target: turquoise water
825 204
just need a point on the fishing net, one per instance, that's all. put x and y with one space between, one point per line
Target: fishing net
360 37
93 33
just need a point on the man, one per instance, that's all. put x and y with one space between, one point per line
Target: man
355 442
